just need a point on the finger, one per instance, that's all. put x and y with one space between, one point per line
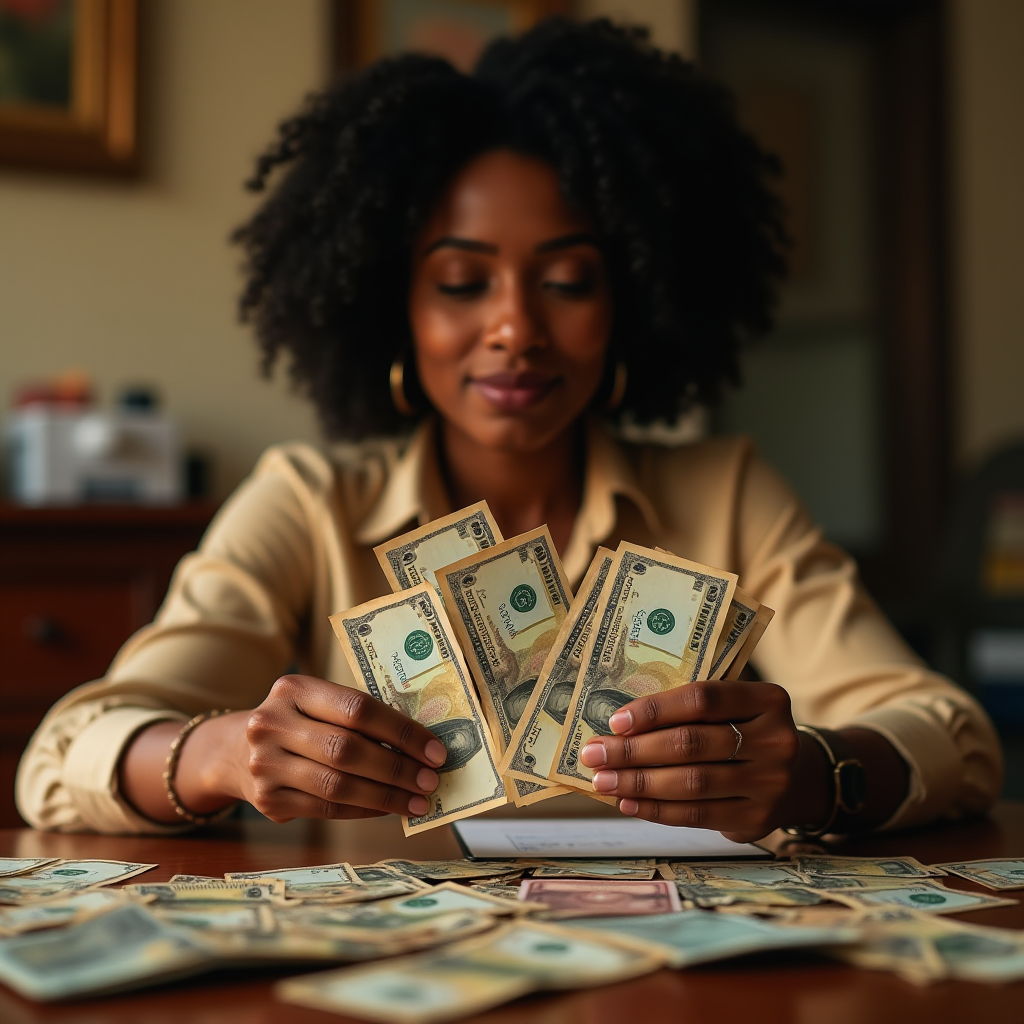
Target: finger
680 782
288 804
353 709
337 787
705 701
713 814
679 744
353 753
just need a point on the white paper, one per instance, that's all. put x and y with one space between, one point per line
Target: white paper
594 837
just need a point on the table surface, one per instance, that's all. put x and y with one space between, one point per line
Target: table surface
791 988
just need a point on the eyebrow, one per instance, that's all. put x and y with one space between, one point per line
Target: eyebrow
471 245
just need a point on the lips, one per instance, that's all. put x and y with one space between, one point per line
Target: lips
513 392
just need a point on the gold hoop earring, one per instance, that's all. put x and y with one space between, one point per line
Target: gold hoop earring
618 388
397 382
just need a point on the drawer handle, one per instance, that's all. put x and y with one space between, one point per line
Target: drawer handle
44 631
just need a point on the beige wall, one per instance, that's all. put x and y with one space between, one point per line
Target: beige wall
987 93
135 281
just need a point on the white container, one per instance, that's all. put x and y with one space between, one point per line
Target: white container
60 456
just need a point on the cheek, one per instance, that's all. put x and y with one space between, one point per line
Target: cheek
581 333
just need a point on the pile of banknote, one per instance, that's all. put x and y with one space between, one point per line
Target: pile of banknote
485 644
424 941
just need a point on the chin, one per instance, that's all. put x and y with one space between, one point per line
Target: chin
517 432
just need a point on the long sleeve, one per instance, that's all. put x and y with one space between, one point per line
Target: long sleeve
232 622
844 664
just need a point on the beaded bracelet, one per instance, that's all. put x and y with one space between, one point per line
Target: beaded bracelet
171 766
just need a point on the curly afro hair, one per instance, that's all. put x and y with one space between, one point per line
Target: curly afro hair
679 196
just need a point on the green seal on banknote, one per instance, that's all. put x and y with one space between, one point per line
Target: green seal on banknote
661 621
927 897
418 644
523 598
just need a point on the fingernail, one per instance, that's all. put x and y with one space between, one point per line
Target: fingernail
621 721
606 781
594 754
419 805
427 780
629 807
435 752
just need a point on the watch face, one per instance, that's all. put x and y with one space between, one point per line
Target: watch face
852 786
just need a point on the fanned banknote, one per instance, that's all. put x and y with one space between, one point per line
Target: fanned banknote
64 877
402 650
123 948
472 976
416 556
506 605
658 620
534 743
993 873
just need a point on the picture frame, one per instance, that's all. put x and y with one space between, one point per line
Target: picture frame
366 30
83 117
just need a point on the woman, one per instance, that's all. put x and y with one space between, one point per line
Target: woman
578 229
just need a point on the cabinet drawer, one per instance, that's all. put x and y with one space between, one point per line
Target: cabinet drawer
57 635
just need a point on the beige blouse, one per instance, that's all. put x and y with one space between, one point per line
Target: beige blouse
294 544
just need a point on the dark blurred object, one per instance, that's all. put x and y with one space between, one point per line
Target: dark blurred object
979 586
977 609
139 399
197 475
89 125
75 583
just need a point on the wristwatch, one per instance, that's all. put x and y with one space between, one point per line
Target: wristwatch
848 781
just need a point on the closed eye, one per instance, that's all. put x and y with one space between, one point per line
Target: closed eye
463 291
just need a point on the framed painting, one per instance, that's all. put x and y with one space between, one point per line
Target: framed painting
365 30
68 83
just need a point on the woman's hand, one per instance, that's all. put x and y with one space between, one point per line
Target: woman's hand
313 749
671 760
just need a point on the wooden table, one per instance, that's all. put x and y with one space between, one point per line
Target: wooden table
794 988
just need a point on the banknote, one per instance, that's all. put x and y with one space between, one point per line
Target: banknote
534 742
198 879
63 910
313 930
218 917
450 870
759 873
994 873
589 897
696 936
741 616
890 867
616 869
471 976
504 892
722 893
657 623
506 605
64 877
923 895
749 641
402 650
123 948
20 865
322 880
415 557
401 912
265 891
899 948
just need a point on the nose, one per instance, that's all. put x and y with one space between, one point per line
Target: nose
513 327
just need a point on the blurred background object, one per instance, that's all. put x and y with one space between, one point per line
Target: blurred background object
68 85
61 451
893 378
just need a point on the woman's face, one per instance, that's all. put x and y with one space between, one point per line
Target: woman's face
509 305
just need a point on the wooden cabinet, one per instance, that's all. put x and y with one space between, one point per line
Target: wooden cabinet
75 583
